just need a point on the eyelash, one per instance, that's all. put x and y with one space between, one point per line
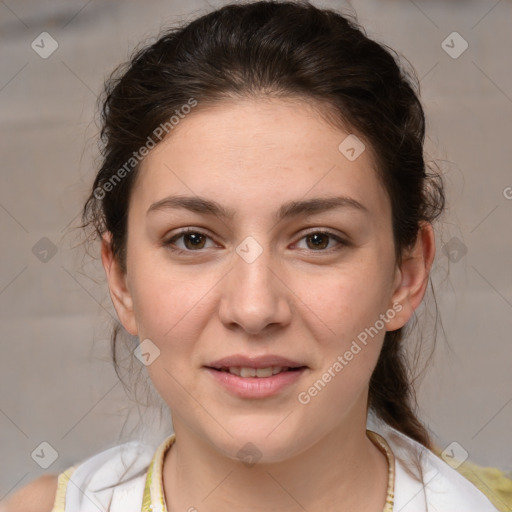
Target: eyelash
169 243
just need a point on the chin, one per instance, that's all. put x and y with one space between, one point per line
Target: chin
257 445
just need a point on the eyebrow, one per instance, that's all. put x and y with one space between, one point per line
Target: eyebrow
291 209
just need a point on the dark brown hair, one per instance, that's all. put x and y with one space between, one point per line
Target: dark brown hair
287 50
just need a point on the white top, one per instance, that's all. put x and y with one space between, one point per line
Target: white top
114 480
443 489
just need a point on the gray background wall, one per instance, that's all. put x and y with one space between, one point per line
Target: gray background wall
56 380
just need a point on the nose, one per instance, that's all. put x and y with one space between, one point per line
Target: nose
255 297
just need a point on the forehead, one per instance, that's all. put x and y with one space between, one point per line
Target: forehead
261 148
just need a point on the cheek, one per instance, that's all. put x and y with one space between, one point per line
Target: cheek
351 345
341 386
169 309
345 302
345 320
168 300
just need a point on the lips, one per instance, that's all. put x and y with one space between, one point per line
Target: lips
260 362
255 377
255 367
256 387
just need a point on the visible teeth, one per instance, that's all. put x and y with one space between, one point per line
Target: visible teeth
247 372
264 372
256 372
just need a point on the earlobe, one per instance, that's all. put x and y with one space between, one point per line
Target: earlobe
411 279
118 288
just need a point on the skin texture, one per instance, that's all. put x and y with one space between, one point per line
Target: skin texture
294 300
37 496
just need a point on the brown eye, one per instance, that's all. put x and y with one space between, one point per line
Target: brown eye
322 241
195 240
318 240
187 241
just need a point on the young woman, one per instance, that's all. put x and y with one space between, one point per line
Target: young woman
266 214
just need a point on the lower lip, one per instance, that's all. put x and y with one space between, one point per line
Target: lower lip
256 387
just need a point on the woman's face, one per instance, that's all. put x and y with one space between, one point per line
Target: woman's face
259 278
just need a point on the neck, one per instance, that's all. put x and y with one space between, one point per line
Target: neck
344 467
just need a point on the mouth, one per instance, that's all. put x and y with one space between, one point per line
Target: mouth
251 377
261 373
256 377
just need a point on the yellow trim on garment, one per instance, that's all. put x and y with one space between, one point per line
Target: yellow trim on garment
59 504
493 482
153 499
383 445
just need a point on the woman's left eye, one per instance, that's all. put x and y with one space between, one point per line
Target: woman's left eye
319 240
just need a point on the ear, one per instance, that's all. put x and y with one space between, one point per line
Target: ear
117 283
411 278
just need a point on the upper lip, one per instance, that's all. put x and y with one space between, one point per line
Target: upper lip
254 362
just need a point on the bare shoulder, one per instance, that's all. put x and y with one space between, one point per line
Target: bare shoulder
37 496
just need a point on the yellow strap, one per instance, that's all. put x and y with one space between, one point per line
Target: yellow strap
59 504
146 498
383 445
153 499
